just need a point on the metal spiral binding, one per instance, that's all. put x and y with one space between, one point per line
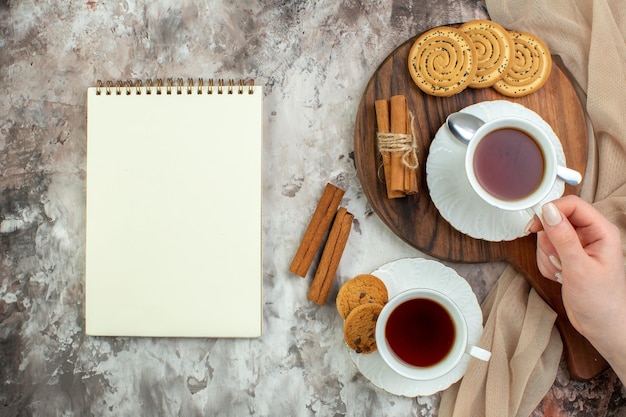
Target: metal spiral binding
171 87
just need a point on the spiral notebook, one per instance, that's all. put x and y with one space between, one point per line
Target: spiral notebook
173 245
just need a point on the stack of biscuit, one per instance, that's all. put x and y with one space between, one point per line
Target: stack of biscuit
359 302
445 60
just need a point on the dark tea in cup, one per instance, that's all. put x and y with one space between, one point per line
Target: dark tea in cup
509 164
420 332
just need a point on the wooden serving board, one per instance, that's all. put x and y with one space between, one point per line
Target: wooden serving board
415 218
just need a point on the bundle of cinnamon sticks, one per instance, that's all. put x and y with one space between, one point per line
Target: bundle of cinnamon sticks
396 145
326 213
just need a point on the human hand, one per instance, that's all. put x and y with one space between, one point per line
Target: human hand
580 248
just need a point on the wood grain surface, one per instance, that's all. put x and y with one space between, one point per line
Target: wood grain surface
415 218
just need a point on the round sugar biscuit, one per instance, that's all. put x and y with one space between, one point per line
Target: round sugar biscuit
359 329
362 289
530 69
442 61
494 51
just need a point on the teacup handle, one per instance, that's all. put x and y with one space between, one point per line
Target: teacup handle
478 353
568 175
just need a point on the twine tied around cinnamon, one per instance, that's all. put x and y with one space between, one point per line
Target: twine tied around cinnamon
400 142
397 145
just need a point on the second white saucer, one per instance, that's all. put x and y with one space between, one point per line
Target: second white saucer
452 193
405 274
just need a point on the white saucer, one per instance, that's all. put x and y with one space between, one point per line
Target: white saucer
450 189
405 274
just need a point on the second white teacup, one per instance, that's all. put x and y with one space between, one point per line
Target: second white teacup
422 334
511 163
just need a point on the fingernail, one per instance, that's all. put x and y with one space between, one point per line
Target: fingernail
528 226
558 277
551 214
556 262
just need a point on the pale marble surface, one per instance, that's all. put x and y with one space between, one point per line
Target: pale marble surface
314 59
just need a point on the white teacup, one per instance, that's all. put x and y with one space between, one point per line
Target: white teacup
422 334
512 164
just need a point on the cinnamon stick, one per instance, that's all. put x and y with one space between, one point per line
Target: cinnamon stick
410 177
398 125
383 123
317 228
331 255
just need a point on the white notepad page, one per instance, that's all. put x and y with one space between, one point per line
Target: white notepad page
174 213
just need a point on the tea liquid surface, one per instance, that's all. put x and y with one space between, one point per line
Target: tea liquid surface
508 164
420 332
